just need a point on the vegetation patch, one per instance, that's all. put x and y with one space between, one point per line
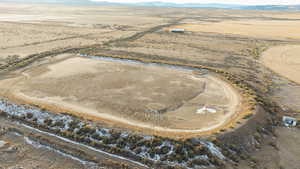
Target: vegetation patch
151 150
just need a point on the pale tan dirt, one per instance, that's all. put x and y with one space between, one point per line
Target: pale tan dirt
84 16
17 153
289 150
18 34
26 39
284 60
32 29
283 15
270 29
28 149
195 47
131 94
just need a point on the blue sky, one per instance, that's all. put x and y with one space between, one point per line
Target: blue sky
242 2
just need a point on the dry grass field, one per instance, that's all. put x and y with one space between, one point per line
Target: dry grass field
206 48
31 29
272 29
284 60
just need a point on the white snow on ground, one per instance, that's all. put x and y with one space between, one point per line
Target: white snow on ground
20 110
103 132
17 134
89 147
214 150
128 61
2 143
38 145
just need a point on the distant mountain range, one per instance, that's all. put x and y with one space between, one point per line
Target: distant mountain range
222 6
164 4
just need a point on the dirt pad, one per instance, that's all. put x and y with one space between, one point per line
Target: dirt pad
145 96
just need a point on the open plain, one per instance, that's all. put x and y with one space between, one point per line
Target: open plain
106 85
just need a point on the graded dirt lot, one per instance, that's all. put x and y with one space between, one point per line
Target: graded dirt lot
143 96
284 60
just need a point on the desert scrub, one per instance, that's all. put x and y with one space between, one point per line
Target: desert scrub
48 122
135 146
257 137
11 59
29 115
248 116
59 123
73 125
86 130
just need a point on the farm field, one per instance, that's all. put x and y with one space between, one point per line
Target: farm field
270 29
284 60
114 87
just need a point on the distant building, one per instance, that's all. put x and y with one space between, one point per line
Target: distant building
289 121
177 30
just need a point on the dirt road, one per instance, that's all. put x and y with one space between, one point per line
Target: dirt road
46 151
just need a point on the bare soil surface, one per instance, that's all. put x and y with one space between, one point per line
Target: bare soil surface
289 151
18 151
28 29
161 98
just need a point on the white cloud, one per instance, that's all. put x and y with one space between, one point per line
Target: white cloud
243 2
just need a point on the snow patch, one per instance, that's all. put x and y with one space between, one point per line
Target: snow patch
2 143
83 145
214 150
38 145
